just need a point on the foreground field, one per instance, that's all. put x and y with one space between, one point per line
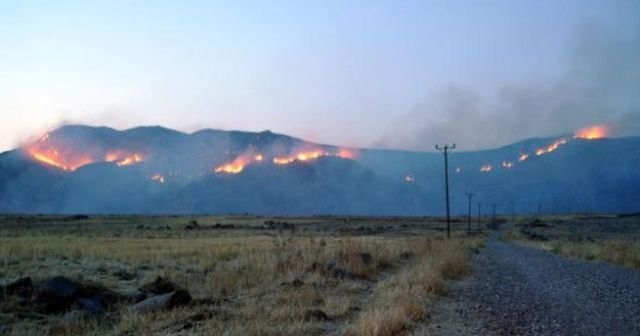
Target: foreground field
614 238
245 275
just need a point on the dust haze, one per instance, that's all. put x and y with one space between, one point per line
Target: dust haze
599 85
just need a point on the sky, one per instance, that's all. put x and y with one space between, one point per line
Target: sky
385 74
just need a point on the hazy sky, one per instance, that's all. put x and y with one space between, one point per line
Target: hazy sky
401 74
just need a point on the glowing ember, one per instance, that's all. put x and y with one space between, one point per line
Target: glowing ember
594 132
409 179
523 157
158 178
41 151
552 147
486 168
237 165
347 153
302 156
123 158
507 164
69 158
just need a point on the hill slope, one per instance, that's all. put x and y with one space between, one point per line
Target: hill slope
148 170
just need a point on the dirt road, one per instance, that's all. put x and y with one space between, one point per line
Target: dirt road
517 290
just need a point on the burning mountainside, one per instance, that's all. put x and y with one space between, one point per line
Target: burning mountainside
239 163
70 158
593 132
177 172
589 133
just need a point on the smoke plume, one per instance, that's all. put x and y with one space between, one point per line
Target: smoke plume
599 85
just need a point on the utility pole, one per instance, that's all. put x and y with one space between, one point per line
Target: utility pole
470 195
479 212
494 214
445 150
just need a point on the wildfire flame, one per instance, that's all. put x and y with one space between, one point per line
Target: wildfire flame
593 132
552 147
523 157
486 168
302 156
314 154
507 164
158 178
69 159
122 158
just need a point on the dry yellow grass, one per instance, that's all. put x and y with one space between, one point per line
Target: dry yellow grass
609 239
245 281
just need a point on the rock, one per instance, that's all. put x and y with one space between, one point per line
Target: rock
338 272
406 255
367 259
56 294
91 306
295 283
125 275
163 302
74 316
316 315
192 225
22 287
159 286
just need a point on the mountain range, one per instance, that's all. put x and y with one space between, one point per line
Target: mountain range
155 170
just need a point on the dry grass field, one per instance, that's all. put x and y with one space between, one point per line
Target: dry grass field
246 275
612 238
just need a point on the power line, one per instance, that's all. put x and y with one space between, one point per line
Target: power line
445 150
470 195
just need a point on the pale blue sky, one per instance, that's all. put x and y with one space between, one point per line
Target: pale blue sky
341 72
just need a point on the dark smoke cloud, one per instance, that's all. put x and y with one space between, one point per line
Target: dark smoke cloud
600 85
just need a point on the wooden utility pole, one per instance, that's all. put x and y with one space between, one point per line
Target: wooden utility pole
445 150
470 195
479 214
494 214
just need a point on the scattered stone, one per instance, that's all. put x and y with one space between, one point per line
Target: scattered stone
56 294
91 306
159 286
406 255
163 302
316 315
367 259
124 275
295 283
192 225
22 287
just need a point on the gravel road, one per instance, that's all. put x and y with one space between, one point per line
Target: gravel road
524 291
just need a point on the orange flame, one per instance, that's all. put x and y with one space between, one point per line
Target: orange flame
552 147
593 132
301 156
310 155
523 157
158 178
46 153
122 158
486 168
347 153
237 165
69 159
